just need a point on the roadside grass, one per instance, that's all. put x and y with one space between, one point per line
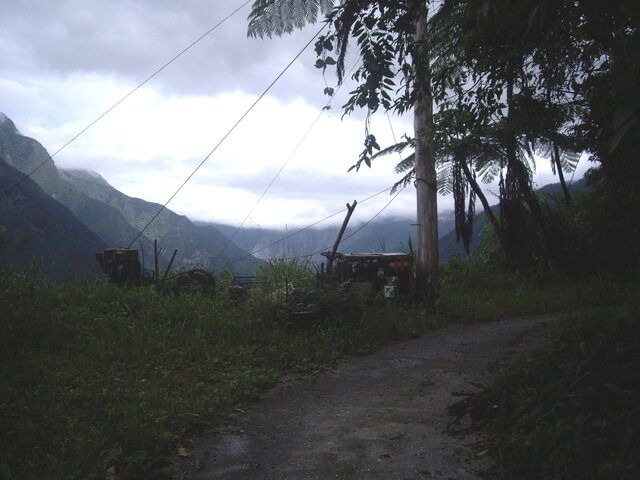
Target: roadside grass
98 381
569 408
482 291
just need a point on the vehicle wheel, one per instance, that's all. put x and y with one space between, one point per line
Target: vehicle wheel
197 279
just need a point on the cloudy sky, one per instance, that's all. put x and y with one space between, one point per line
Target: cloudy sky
67 62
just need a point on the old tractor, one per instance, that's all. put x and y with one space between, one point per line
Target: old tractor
123 267
386 273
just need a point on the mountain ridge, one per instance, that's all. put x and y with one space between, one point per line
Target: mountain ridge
112 216
38 237
119 220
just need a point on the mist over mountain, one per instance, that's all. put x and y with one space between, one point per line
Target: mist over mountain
58 219
91 205
380 235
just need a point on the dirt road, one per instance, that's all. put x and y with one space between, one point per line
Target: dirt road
382 416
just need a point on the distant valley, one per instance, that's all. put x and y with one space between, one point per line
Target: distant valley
57 219
385 235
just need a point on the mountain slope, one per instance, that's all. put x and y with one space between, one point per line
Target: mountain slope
117 218
30 157
198 247
37 230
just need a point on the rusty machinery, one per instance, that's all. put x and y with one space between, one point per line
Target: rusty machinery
123 266
390 273
374 271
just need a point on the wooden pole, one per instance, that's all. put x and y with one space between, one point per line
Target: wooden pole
156 273
427 261
350 209
168 267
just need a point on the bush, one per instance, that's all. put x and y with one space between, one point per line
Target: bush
569 409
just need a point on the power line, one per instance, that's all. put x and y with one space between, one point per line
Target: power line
322 220
50 157
364 224
270 184
327 105
317 223
228 133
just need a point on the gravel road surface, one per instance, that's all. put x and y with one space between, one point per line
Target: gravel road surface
381 416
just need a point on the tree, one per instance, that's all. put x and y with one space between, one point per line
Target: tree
510 78
386 32
544 76
502 82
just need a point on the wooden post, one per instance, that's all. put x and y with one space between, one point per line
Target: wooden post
427 261
156 273
350 209
168 267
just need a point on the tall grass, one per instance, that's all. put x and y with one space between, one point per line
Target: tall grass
98 381
570 408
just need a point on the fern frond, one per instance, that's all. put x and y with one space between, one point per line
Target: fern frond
395 148
445 179
404 181
406 164
277 17
569 160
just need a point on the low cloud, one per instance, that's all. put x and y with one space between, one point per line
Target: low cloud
66 63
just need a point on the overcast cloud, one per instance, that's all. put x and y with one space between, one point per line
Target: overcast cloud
66 62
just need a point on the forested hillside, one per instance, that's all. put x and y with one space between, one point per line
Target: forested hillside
37 231
114 219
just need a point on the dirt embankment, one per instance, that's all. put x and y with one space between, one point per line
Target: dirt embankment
381 416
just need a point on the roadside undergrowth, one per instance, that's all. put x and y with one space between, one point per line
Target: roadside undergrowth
569 408
99 381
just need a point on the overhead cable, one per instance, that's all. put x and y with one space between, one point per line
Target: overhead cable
228 133
313 124
50 157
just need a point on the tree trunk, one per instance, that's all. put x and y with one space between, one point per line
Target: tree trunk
427 261
491 217
558 164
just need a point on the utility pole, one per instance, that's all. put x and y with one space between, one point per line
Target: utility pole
427 261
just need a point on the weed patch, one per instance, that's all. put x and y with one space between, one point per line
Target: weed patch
98 381
569 409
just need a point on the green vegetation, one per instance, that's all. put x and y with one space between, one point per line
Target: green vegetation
570 408
104 382
98 381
